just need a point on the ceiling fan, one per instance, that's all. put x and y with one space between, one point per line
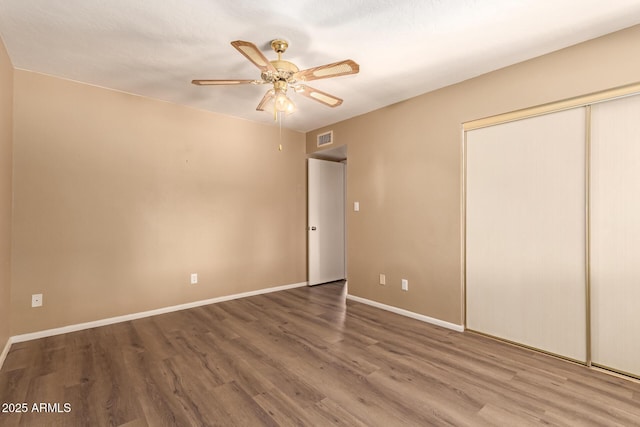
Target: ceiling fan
283 75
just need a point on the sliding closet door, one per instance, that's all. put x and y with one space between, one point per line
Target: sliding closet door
615 234
525 242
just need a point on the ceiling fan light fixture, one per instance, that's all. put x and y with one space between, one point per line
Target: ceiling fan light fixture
282 103
277 102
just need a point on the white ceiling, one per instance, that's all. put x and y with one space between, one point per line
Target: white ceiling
155 48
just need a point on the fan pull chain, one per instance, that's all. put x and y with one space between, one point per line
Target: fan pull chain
280 126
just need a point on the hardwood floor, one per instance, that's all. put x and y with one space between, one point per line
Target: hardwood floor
301 357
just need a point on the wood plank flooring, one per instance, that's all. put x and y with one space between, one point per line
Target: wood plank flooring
302 357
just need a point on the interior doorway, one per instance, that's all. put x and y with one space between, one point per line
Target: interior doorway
326 222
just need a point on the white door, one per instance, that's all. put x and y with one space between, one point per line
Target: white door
325 224
615 235
526 232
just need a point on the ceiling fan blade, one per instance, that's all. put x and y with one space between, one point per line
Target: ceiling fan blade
340 68
224 82
265 99
318 95
253 54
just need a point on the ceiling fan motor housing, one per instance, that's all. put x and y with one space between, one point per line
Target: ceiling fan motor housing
285 71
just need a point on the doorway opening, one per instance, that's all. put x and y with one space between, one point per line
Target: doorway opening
326 219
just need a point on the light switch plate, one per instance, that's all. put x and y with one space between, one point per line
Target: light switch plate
356 206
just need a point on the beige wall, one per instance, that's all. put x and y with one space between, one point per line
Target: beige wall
6 138
404 167
118 198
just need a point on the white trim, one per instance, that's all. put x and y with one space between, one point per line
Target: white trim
133 316
407 313
4 353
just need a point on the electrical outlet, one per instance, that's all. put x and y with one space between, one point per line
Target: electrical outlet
194 278
405 285
383 279
36 300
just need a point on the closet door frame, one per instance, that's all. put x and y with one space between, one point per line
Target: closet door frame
571 103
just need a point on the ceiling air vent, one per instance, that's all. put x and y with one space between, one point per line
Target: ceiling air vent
325 138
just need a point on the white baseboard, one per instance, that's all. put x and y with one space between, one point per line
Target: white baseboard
4 353
133 316
407 313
